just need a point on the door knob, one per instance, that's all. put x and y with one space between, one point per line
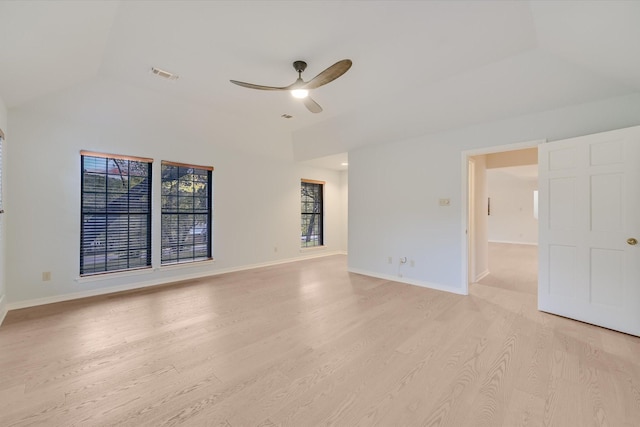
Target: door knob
632 241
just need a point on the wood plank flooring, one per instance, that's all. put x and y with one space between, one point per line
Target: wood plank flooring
307 344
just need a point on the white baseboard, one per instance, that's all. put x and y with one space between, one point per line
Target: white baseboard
514 243
408 281
3 308
481 276
159 281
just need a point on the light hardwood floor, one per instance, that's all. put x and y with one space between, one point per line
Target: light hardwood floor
306 344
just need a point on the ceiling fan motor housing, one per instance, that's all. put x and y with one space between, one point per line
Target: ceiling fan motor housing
300 66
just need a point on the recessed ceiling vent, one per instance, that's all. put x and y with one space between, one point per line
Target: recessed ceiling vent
164 74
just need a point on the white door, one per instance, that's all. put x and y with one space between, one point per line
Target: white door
589 216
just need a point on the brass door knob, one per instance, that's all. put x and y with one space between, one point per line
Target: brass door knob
632 241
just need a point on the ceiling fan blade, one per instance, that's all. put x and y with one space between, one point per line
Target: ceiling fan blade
252 86
330 74
312 105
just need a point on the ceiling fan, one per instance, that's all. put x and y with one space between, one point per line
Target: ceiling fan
300 88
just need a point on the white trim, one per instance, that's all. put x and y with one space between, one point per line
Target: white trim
514 243
311 255
3 308
465 154
481 276
156 282
435 286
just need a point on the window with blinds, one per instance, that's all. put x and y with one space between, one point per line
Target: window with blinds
312 209
115 213
186 213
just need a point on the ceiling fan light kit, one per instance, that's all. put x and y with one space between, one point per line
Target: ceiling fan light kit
299 93
300 88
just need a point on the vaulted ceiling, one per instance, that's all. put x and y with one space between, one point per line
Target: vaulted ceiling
418 66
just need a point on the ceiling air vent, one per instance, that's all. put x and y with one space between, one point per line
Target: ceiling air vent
164 74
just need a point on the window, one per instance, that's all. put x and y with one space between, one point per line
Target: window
115 213
186 213
312 212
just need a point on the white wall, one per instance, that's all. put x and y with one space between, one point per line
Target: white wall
3 298
511 219
344 209
256 205
394 190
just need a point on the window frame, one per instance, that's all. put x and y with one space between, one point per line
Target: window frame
192 239
319 242
146 214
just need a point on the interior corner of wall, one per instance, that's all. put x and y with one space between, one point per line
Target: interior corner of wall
3 308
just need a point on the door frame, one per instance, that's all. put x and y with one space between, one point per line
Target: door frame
471 219
464 226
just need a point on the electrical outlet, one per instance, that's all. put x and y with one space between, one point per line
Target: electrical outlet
275 249
46 276
412 263
390 260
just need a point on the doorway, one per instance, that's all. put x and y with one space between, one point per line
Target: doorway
493 238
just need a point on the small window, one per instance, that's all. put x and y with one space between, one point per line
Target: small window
186 213
115 213
311 196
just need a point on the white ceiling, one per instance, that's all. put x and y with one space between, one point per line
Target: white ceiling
419 66
339 162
